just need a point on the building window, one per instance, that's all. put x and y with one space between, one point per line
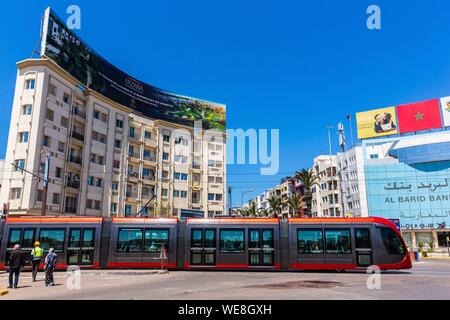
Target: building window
27 109
115 186
166 138
147 135
56 198
183 194
113 207
64 122
50 114
100 137
66 97
231 241
52 90
218 197
119 123
19 165
15 193
116 164
132 132
164 192
165 156
29 84
165 174
100 160
176 176
176 193
47 141
211 196
374 156
58 172
61 146
23 137
117 144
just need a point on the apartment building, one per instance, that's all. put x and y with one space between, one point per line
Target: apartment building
105 160
326 201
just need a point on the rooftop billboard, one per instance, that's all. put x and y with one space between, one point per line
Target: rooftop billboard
67 50
376 123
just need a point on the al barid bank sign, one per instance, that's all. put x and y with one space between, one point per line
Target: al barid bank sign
418 195
66 49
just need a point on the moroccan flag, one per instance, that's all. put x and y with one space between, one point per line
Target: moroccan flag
419 116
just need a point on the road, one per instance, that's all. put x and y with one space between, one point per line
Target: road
429 279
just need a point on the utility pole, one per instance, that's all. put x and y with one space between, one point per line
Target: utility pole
44 193
242 196
229 200
331 167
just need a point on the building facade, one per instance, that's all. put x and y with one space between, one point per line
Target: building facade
326 196
105 160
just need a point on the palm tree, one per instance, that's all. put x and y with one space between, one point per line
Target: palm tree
263 212
275 206
296 203
309 179
252 210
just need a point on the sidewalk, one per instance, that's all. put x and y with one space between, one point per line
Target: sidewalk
94 272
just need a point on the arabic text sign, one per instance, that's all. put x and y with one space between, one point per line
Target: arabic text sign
376 123
418 195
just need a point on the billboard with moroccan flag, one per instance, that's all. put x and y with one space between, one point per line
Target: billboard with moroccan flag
376 123
418 116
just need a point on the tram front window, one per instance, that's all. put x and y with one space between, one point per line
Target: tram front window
392 241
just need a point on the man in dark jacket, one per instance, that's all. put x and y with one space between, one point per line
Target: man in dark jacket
15 263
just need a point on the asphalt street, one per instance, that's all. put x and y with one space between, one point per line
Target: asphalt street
429 279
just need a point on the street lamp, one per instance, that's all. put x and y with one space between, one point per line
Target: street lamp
242 195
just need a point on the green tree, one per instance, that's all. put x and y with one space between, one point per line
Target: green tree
275 206
296 204
309 179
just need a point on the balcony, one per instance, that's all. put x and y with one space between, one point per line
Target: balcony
77 135
147 195
196 184
79 113
150 158
70 209
134 154
196 166
149 177
75 184
131 194
132 175
75 159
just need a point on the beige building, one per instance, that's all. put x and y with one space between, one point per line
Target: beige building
104 159
326 201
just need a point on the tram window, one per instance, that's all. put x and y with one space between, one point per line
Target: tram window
129 240
196 238
14 237
231 241
337 241
88 238
267 236
392 241
210 238
52 238
254 239
28 238
362 238
74 237
310 241
154 239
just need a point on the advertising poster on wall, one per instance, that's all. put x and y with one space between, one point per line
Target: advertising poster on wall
424 115
67 50
376 123
445 110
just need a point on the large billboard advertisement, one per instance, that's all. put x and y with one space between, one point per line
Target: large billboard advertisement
445 109
418 116
376 123
67 50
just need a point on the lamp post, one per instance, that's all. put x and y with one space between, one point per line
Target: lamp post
242 195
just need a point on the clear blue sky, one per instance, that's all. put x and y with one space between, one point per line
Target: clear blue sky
293 65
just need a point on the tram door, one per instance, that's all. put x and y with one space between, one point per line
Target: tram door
203 247
261 247
80 250
362 247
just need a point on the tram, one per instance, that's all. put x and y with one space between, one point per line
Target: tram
262 244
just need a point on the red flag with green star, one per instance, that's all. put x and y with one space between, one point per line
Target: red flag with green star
418 116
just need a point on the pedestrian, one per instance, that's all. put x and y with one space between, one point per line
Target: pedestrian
50 264
15 263
36 255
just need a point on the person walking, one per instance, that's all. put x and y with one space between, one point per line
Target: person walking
50 264
36 255
15 263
